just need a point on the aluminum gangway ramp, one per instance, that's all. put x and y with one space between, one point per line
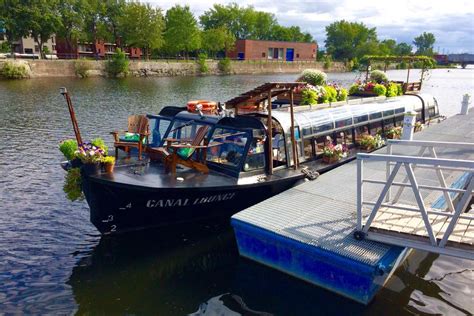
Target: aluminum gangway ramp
424 196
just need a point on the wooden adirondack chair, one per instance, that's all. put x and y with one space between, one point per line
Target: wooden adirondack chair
138 125
181 152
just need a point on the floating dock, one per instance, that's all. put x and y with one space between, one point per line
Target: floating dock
308 231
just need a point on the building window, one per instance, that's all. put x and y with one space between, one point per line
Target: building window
270 53
54 47
297 55
263 54
29 51
36 49
280 53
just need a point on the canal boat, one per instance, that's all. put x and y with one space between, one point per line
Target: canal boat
248 154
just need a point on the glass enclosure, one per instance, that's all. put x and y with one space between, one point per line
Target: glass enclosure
228 146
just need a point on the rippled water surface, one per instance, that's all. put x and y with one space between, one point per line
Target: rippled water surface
52 260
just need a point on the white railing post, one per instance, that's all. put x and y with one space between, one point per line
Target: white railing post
466 100
360 183
408 125
387 173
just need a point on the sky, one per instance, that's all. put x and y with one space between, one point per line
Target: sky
452 22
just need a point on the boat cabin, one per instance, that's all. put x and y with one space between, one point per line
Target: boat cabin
270 136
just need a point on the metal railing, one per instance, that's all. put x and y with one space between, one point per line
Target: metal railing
394 163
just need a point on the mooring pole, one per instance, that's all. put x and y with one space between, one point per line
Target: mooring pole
270 133
293 139
64 92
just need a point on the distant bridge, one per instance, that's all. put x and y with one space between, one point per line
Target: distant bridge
462 59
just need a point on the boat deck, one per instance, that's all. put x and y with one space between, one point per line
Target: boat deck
321 215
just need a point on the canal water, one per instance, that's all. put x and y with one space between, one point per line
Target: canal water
52 260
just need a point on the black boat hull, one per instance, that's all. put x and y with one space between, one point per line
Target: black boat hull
116 208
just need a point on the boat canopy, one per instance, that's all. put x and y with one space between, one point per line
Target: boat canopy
314 122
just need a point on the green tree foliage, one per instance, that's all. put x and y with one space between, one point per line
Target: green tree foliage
142 26
424 44
346 40
403 49
43 21
181 33
387 47
71 20
114 11
248 23
118 65
15 20
215 40
94 28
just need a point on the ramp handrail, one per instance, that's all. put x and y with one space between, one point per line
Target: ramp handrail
410 163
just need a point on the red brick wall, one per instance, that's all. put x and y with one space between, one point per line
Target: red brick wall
258 50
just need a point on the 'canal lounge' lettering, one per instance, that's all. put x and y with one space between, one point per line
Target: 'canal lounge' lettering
186 202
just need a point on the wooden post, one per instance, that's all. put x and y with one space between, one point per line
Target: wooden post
75 126
293 140
270 132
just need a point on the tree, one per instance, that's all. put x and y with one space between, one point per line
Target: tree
114 10
215 40
346 40
387 47
71 22
93 26
43 21
424 44
181 33
403 49
141 26
14 17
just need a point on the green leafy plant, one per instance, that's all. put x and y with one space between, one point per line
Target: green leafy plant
82 67
118 65
327 62
309 97
68 148
314 77
11 70
342 95
392 90
73 184
203 68
108 159
380 89
331 93
371 142
99 142
5 47
394 132
354 89
225 65
378 76
399 89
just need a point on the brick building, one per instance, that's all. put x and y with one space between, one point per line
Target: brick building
273 50
99 50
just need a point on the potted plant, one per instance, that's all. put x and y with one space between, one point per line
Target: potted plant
91 157
332 153
109 163
69 148
419 127
394 132
369 142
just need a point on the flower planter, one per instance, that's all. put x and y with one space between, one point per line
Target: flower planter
90 168
109 167
76 163
330 159
392 136
365 94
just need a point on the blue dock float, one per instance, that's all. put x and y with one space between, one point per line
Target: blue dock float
307 231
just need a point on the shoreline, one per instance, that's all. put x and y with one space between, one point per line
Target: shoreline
67 68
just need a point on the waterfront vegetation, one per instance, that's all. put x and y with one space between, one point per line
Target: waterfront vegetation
10 70
118 64
82 67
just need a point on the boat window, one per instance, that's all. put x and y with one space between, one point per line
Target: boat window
227 146
278 144
184 130
388 113
159 130
309 148
256 154
345 138
360 131
376 128
398 120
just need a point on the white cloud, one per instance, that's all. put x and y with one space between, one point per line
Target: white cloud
452 22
